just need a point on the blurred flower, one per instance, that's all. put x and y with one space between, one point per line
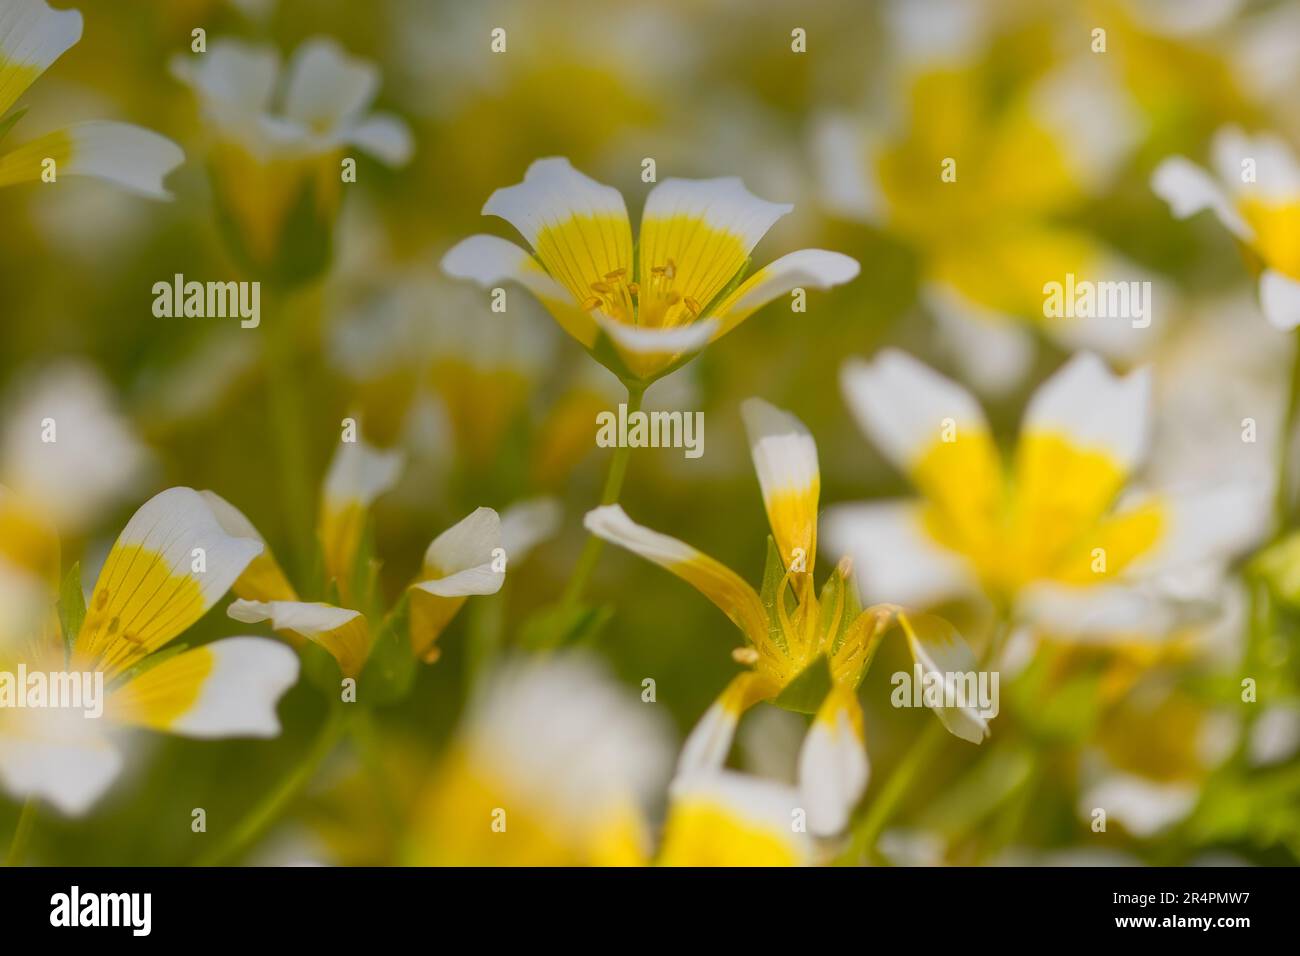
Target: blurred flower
66 448
554 765
170 564
32 36
640 318
981 180
1257 198
1052 537
797 639
277 175
725 818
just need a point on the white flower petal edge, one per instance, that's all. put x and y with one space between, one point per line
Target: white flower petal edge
552 193
833 766
61 757
459 561
1279 297
32 36
901 403
1188 189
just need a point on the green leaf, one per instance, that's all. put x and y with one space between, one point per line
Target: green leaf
804 694
72 607
390 670
560 625
10 121
773 575
1279 566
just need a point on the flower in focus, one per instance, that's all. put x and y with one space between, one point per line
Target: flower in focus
32 36
278 142
1256 196
554 765
805 650
640 309
171 563
1053 536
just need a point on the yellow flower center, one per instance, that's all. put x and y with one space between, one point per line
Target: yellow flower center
652 302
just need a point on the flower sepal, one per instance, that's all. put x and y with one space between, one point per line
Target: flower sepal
390 669
805 693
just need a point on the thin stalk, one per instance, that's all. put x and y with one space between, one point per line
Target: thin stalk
22 833
1282 505
613 488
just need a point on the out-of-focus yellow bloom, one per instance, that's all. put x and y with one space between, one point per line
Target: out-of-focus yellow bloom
1053 535
553 766
640 313
1257 198
32 36
730 819
171 563
276 165
795 635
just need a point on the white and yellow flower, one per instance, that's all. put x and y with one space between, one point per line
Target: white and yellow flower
804 650
1054 535
468 558
171 563
32 36
554 765
1255 193
275 160
723 818
640 308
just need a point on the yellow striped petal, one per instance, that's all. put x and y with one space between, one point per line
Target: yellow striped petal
710 740
696 234
228 688
341 631
32 36
172 561
718 583
785 458
130 157
578 228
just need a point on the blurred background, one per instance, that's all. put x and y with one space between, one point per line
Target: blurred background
496 409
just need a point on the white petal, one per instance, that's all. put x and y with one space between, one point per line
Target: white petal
1095 409
1207 524
612 523
894 560
756 805
383 136
806 268
939 649
724 204
1279 297
646 350
994 350
709 742
57 755
833 770
327 86
901 404
238 695
1188 189
234 80
845 162
460 560
1141 806
361 473
302 617
134 158
1277 174
551 193
783 450
1093 117
32 36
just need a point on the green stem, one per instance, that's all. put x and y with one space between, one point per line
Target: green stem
285 410
613 488
22 833
269 808
1282 506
